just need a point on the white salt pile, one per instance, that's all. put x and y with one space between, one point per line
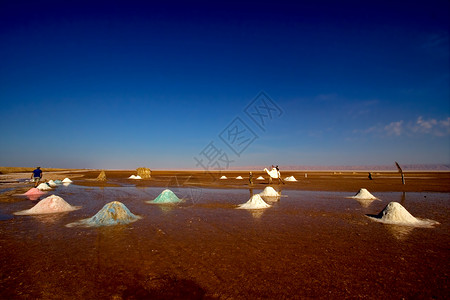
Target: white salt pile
50 205
239 177
34 192
364 195
67 180
52 184
395 213
44 187
269 192
255 202
223 177
167 196
113 213
290 178
137 177
260 178
132 177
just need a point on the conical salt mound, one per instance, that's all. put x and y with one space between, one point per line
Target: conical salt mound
132 177
34 192
66 180
167 196
290 178
50 205
364 195
137 177
395 213
101 176
260 178
223 177
113 213
44 187
270 192
255 202
239 177
52 184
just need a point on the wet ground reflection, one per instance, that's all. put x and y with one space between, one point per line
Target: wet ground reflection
307 244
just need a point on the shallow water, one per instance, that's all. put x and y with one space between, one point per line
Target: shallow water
307 244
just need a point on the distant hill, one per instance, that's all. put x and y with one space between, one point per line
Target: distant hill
406 167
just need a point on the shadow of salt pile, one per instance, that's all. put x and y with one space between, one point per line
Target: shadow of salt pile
50 205
113 213
166 197
269 194
255 202
394 213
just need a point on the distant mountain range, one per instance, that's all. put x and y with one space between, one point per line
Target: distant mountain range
406 167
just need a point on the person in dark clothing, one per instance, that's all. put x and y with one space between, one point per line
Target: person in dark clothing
36 176
250 178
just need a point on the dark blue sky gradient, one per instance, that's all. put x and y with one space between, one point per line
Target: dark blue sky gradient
110 84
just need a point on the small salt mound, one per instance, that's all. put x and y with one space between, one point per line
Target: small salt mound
137 177
66 180
51 183
364 194
167 196
239 177
270 192
260 178
223 177
44 187
290 178
255 202
58 181
34 192
132 177
50 205
113 213
395 213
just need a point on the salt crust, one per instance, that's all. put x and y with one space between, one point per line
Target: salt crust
364 194
255 202
113 213
49 205
395 213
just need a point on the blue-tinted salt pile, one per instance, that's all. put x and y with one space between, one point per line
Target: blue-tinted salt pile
167 196
113 213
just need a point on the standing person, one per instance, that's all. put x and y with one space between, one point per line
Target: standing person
36 176
250 178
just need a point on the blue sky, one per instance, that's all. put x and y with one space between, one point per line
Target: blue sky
126 84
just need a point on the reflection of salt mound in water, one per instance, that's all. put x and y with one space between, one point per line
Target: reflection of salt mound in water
67 180
223 177
290 178
365 202
167 196
44 187
395 213
364 194
113 213
50 205
260 178
34 192
269 192
255 202
239 177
